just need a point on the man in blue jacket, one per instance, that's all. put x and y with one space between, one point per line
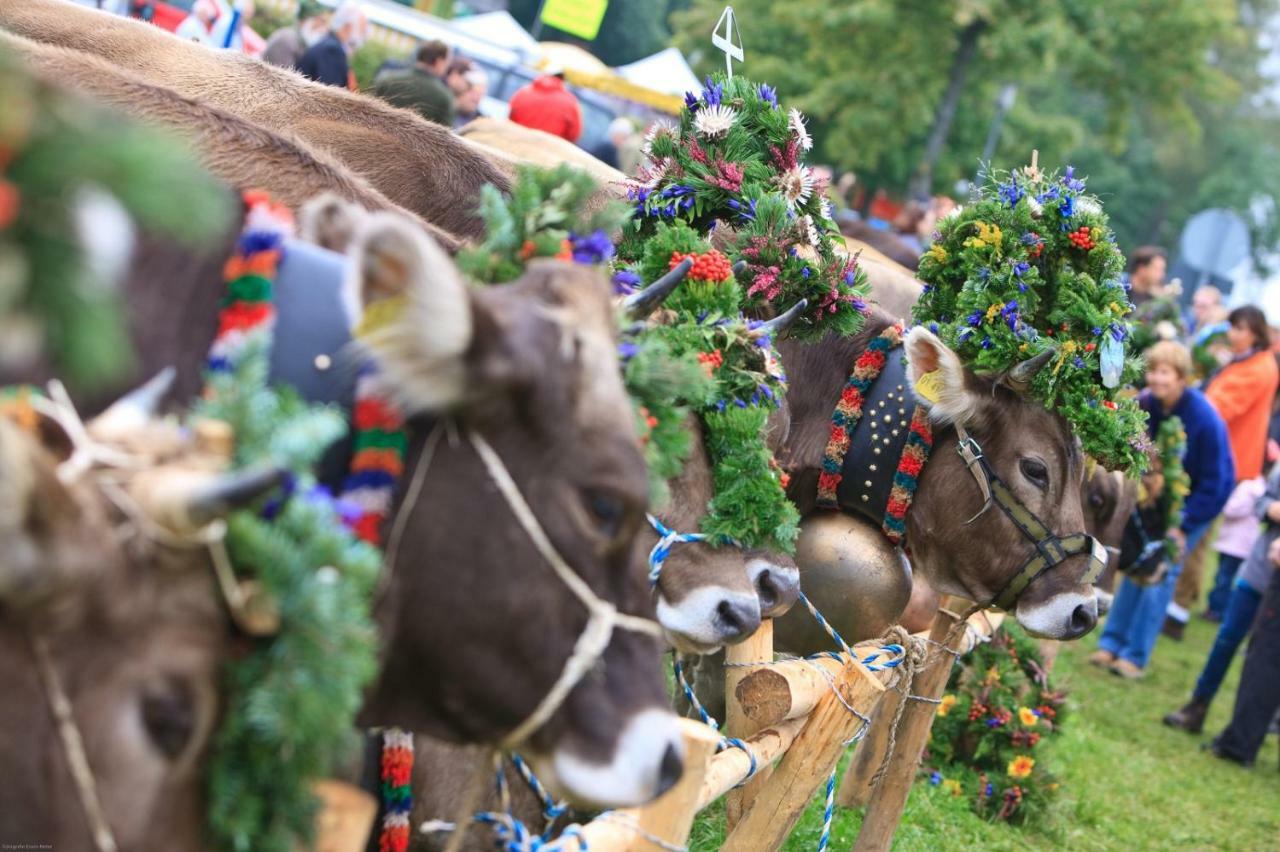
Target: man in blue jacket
1138 611
328 61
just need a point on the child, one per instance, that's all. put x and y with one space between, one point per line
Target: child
1236 535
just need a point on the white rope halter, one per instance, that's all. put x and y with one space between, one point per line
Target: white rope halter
602 617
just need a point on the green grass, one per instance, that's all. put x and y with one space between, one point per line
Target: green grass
1128 782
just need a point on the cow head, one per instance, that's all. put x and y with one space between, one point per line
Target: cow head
476 626
129 623
709 596
1034 452
1108 498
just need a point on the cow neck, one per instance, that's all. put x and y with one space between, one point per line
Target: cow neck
880 440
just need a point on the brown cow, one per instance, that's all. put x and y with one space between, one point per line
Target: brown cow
1030 448
243 155
418 165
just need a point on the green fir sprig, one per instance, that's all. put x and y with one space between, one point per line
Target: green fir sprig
1031 265
1171 445
291 698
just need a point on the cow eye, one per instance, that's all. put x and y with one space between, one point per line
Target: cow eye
607 509
1035 472
1095 500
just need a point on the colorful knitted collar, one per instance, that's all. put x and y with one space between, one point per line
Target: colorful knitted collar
859 473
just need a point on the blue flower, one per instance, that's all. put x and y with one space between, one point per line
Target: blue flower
691 101
1097 332
984 273
935 779
627 351
739 403
933 326
1050 194
805 272
858 305
986 343
792 251
625 282
1010 314
764 389
993 723
687 203
1010 193
850 276
1069 180
592 248
1118 332
1079 362
1030 239
989 789
712 92
720 406
768 94
974 318
1021 268
1068 207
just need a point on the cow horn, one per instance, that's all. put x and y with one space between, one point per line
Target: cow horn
781 323
230 490
645 302
135 408
1019 378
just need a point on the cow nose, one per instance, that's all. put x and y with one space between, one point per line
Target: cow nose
777 589
737 619
669 770
1083 619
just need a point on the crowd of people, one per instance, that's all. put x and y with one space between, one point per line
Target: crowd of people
1232 506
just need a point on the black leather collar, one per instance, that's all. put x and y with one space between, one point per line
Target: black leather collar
877 443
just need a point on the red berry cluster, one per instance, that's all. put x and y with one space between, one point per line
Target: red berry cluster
709 266
1082 238
1037 248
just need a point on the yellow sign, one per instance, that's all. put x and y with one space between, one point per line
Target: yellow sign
579 18
929 386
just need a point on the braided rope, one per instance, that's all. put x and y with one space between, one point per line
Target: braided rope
709 721
828 814
668 539
551 809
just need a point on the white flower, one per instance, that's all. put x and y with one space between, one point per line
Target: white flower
827 209
796 185
952 213
1037 209
1085 204
658 127
796 121
811 230
714 121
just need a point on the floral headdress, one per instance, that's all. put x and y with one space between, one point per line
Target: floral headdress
1031 266
735 162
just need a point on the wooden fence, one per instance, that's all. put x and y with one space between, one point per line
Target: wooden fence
796 718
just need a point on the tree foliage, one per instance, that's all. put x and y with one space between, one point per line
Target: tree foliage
1159 109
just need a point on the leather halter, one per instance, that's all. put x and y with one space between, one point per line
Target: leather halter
1051 549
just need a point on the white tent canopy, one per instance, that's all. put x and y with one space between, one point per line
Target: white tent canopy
499 28
665 71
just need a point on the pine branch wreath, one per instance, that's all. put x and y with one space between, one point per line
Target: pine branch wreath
1032 265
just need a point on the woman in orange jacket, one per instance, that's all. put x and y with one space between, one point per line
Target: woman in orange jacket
1243 391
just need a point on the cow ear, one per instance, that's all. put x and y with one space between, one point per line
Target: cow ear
23 574
330 222
938 378
414 313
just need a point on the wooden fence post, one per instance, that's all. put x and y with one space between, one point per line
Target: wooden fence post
884 808
755 649
807 764
855 787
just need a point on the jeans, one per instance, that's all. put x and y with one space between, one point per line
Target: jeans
1259 695
1237 619
1222 582
1138 612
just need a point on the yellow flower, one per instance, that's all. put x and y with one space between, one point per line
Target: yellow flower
952 786
1021 766
1115 308
1027 717
944 707
988 235
994 311
938 253
993 676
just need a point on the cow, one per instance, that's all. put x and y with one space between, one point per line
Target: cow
241 154
421 166
1027 446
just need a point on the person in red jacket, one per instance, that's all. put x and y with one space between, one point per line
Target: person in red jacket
545 104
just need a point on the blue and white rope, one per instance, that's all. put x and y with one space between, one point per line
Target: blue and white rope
667 539
828 814
551 809
709 721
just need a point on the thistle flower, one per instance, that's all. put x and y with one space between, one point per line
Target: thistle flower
796 185
714 121
796 122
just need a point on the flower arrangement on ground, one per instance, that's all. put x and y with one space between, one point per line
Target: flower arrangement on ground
986 743
1031 265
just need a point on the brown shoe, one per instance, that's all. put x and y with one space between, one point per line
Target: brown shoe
1126 670
1190 717
1102 659
1173 628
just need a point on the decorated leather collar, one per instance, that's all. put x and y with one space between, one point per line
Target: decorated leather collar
880 440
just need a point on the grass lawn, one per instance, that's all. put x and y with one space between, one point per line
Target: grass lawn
1128 782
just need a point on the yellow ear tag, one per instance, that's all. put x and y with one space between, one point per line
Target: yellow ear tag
379 315
929 386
